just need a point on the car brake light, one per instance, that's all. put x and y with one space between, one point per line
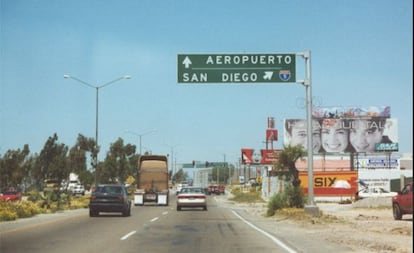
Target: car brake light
193 197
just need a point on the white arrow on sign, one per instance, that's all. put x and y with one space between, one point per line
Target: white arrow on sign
268 75
187 62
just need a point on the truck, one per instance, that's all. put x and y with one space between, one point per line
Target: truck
153 178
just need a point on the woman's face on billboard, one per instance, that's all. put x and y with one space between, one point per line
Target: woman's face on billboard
364 135
334 136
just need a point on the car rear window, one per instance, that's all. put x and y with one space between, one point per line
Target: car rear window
109 189
192 190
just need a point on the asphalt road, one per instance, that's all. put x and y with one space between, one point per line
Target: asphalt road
152 229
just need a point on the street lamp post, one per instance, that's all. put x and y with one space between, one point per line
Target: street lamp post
67 76
140 138
172 158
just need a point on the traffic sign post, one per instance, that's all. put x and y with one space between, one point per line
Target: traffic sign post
236 68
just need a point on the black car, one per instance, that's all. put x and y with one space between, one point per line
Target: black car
109 198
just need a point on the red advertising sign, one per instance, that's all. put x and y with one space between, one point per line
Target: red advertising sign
271 135
256 156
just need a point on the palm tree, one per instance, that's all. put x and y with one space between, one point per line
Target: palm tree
286 164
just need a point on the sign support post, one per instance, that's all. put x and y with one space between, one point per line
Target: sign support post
310 208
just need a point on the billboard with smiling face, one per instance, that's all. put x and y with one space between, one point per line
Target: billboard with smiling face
345 132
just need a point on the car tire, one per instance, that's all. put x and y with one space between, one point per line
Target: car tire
127 211
178 208
396 211
93 213
205 208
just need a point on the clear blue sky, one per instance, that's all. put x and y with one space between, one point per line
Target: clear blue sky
361 56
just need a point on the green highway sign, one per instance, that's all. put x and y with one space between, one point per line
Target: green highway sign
236 68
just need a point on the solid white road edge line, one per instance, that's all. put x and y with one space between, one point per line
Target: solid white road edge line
128 235
271 237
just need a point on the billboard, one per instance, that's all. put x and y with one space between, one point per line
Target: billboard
338 183
262 156
271 135
351 112
368 134
377 162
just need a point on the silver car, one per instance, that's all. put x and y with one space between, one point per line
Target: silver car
191 197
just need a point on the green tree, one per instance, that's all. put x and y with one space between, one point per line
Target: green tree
117 165
31 180
133 163
13 167
34 175
77 158
53 161
179 176
57 161
77 155
286 166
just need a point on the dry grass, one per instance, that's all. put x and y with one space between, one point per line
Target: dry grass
248 197
299 215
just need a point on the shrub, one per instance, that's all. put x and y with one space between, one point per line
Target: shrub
291 197
235 189
276 202
18 209
79 202
7 215
295 196
248 197
39 204
25 209
34 196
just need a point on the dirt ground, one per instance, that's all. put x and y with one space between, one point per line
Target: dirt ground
365 226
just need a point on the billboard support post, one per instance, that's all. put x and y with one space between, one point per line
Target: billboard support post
310 208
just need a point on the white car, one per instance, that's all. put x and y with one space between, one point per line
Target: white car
375 192
191 197
78 189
